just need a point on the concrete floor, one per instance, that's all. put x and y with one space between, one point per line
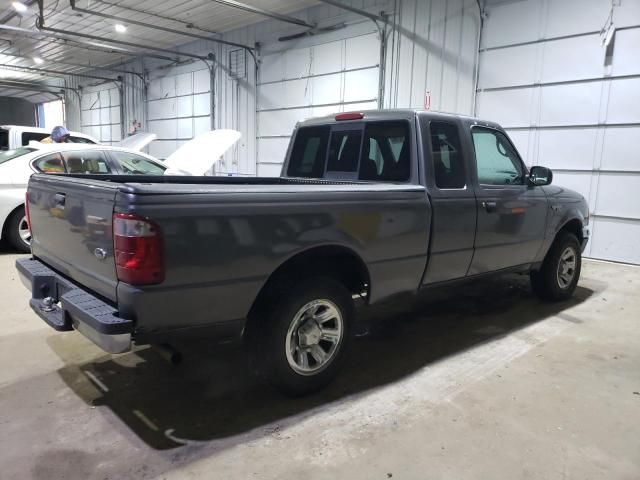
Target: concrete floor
481 382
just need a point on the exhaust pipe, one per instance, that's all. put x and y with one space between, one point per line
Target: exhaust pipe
170 354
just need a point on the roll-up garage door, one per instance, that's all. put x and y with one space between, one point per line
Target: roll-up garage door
100 114
298 83
179 108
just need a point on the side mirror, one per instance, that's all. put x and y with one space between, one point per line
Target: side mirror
540 176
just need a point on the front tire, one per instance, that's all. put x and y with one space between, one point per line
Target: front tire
302 341
558 277
18 231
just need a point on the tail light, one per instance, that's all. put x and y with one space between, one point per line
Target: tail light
138 250
26 210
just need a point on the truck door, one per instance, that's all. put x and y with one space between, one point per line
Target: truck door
511 214
453 201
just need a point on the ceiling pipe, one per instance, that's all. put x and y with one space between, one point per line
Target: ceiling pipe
108 49
364 13
163 17
78 65
57 94
34 84
57 72
264 13
95 38
163 29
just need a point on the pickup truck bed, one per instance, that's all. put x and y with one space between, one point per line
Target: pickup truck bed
223 238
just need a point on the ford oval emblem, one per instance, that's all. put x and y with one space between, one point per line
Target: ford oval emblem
100 253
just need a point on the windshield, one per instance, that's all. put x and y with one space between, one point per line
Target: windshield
7 155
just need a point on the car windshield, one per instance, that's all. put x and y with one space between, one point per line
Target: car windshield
7 155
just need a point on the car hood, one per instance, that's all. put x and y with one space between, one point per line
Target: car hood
137 141
197 156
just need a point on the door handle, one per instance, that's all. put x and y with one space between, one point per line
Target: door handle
490 206
60 199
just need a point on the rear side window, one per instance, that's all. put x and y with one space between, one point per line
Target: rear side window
28 136
133 164
448 162
386 152
309 152
93 162
50 164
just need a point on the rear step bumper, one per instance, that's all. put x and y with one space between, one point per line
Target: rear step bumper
63 305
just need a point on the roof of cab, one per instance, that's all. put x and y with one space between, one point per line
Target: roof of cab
396 114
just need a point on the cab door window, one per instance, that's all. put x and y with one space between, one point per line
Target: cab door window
497 161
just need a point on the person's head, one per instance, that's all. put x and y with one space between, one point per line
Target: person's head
60 134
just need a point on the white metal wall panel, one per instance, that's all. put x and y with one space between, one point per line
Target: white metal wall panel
100 113
566 108
314 79
179 107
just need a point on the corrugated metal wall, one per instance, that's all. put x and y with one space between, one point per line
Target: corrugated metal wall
433 48
544 76
433 51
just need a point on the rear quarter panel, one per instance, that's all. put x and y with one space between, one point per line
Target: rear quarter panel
221 247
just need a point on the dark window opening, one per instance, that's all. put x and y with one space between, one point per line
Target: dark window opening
344 151
448 162
309 152
386 153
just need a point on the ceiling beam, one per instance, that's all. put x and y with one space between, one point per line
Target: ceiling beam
57 72
155 27
359 11
64 33
264 13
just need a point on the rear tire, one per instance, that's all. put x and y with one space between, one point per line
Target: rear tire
558 277
299 343
17 231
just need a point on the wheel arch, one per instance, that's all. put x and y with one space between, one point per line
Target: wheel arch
5 221
573 225
335 261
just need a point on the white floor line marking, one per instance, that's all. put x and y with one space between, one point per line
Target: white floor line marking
96 380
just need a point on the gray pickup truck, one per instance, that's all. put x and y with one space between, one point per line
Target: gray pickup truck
370 206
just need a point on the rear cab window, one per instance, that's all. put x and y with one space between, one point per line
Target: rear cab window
377 151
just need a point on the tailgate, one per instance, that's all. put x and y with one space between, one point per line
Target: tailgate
71 229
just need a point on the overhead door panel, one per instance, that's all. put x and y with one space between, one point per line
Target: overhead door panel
314 80
570 108
100 113
179 108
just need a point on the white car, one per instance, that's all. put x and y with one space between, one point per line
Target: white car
15 136
195 157
17 165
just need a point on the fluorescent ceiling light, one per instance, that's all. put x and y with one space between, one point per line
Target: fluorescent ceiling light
38 60
19 7
120 28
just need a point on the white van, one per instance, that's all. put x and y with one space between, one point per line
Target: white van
14 136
